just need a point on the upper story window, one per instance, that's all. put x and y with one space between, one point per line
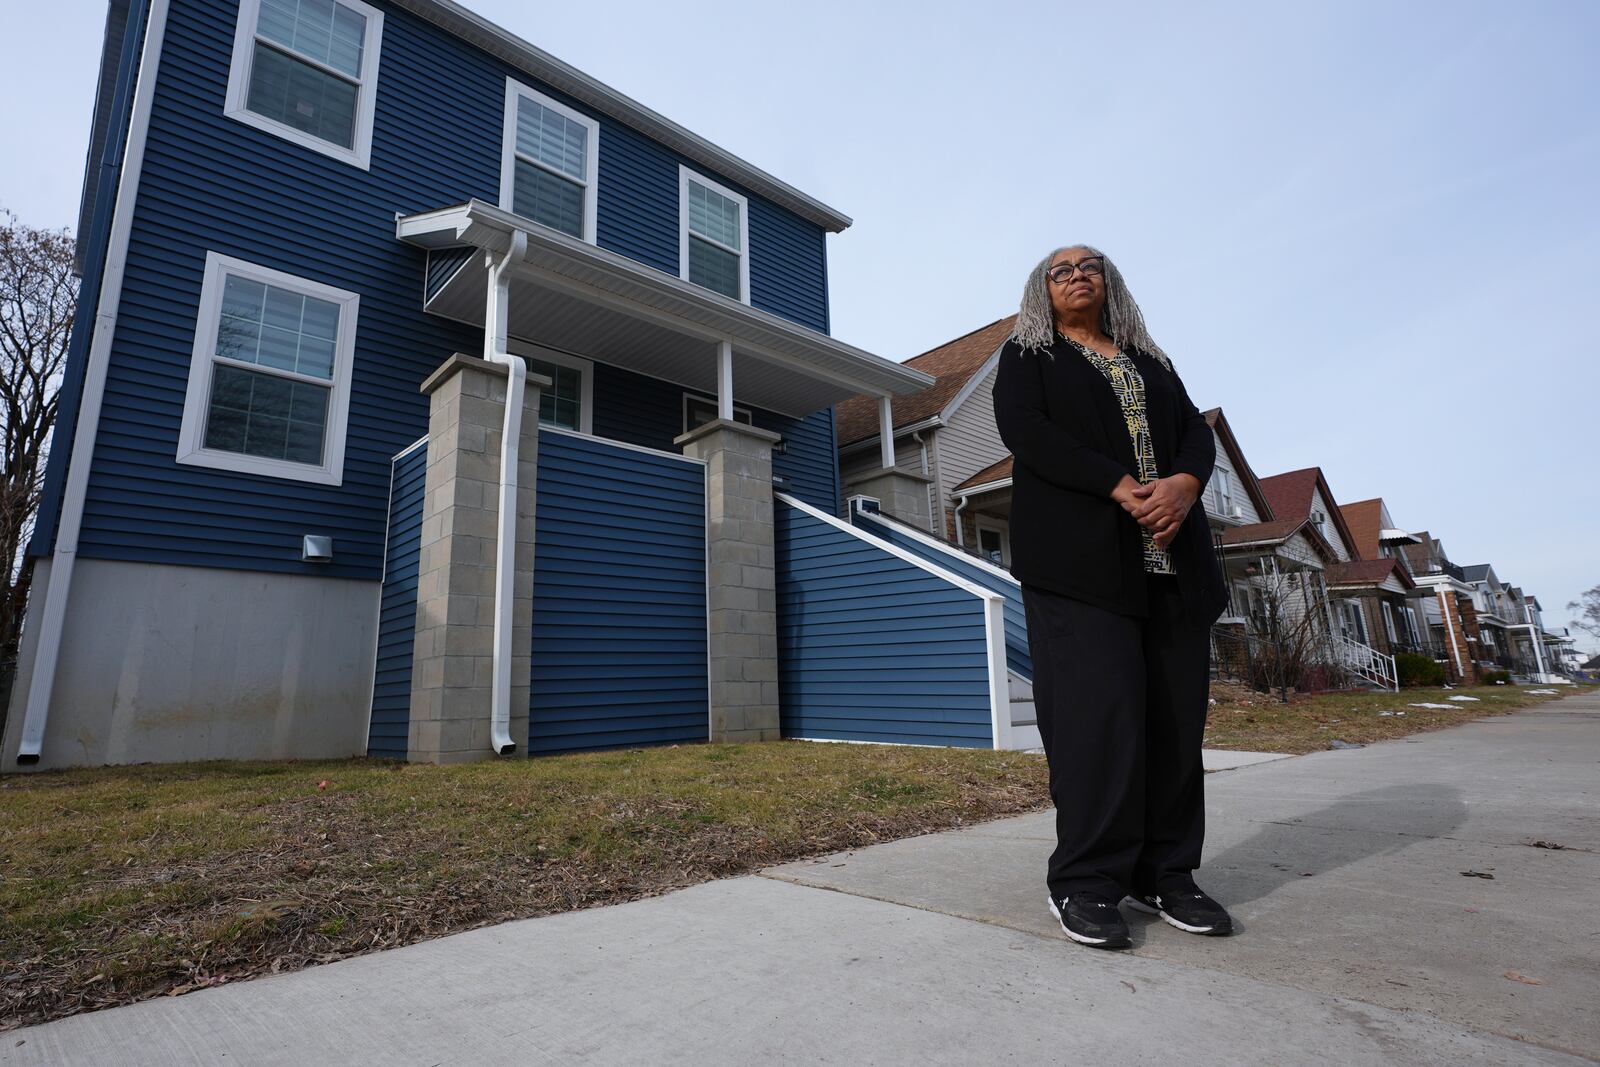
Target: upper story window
548 162
269 383
713 236
307 70
1222 490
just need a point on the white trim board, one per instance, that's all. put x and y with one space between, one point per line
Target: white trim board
359 153
977 379
53 598
943 548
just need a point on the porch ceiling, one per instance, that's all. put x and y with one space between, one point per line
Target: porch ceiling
576 298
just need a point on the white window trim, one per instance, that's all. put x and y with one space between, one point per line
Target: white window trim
584 367
982 525
515 91
685 176
711 402
244 39
191 433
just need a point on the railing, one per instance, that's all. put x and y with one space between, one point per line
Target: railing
1436 565
1367 662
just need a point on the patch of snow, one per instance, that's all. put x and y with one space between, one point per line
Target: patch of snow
1473 699
1446 707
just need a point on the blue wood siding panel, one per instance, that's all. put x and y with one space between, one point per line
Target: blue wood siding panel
959 563
619 599
397 612
212 184
648 411
442 266
872 648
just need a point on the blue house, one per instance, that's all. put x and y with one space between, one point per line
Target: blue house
428 398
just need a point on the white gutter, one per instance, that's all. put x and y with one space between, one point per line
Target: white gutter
1455 650
53 614
505 551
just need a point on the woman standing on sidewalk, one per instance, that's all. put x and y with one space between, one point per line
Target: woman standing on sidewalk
1121 587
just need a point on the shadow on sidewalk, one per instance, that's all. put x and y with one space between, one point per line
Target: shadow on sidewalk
1357 827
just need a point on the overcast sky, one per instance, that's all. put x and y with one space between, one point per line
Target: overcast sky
1369 231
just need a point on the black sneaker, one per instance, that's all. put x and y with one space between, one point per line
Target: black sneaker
1186 908
1090 919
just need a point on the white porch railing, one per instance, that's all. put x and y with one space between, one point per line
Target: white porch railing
1366 662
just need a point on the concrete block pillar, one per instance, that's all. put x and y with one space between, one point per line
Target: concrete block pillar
453 655
900 493
742 578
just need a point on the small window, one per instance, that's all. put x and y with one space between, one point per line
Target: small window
307 70
713 236
270 378
548 166
567 403
1222 491
699 410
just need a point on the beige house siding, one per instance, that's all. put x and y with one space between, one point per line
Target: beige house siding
970 442
1330 529
1240 498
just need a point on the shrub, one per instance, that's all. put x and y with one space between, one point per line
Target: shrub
1416 669
1496 677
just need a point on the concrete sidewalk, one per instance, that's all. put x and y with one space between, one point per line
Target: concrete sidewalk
1361 941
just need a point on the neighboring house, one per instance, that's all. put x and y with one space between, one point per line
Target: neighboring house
1376 580
1447 602
944 477
282 518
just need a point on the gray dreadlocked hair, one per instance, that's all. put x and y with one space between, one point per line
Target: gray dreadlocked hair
1120 319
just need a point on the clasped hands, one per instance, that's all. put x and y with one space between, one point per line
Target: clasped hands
1160 506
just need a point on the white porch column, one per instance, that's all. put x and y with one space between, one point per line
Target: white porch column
886 431
725 380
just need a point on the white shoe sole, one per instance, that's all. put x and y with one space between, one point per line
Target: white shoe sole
1082 939
1138 905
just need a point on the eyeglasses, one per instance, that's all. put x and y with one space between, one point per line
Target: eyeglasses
1089 268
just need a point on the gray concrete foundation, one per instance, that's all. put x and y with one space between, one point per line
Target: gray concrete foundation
163 664
741 563
452 659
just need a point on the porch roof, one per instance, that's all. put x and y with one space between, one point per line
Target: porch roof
573 297
1368 572
994 476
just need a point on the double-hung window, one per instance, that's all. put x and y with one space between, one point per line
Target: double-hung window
713 236
307 70
568 403
548 162
269 383
1222 491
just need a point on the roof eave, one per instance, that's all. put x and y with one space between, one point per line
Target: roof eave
575 83
491 228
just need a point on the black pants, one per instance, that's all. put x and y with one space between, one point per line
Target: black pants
1121 705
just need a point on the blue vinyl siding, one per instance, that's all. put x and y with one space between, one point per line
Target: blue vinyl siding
397 612
213 184
959 563
619 598
873 648
648 411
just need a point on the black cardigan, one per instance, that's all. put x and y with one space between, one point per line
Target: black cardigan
1061 420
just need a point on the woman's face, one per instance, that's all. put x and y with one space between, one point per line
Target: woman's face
1076 295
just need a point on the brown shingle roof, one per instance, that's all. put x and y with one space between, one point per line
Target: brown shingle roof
1366 572
953 363
1365 519
992 473
1289 494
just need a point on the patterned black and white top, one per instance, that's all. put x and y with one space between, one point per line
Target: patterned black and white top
1128 384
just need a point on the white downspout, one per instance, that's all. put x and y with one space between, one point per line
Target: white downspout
505 562
1535 638
961 541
